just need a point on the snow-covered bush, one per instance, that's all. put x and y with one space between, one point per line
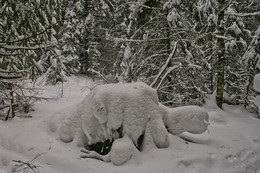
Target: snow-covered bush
129 111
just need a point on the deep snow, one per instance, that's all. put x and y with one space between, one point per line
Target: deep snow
232 146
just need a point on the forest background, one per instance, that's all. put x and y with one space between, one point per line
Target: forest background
186 49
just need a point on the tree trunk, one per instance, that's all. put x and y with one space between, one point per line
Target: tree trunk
221 62
168 46
12 100
86 58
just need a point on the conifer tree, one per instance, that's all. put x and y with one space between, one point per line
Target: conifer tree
24 34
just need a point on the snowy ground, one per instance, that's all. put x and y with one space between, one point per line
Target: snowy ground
232 146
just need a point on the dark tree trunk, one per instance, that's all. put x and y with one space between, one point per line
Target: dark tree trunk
221 55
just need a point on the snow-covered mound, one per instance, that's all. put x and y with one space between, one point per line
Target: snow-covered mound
233 145
192 119
112 106
122 150
111 111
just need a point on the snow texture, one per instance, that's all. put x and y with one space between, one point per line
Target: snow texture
111 107
233 145
192 119
133 109
122 150
108 108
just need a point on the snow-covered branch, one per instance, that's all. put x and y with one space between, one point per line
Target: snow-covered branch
98 73
40 32
140 65
244 14
16 47
134 40
225 38
165 65
9 54
166 74
4 76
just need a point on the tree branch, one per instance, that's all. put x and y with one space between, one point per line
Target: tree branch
9 54
4 76
166 74
40 32
167 63
15 47
244 14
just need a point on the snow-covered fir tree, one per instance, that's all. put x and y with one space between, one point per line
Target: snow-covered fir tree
24 37
203 33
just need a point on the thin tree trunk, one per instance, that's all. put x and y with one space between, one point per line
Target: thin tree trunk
221 55
86 56
168 46
11 107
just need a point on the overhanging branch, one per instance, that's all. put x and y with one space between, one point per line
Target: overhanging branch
16 47
244 14
167 63
4 76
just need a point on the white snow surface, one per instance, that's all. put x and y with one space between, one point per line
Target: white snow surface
192 119
232 146
122 150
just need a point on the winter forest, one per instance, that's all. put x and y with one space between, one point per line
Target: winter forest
54 53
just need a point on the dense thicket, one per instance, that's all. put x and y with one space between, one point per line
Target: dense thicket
185 49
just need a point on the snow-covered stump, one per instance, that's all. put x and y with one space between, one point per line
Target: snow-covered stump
115 120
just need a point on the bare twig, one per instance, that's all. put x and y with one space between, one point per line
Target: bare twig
26 166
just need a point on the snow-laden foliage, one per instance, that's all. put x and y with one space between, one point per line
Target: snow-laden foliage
195 23
26 36
133 40
83 41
